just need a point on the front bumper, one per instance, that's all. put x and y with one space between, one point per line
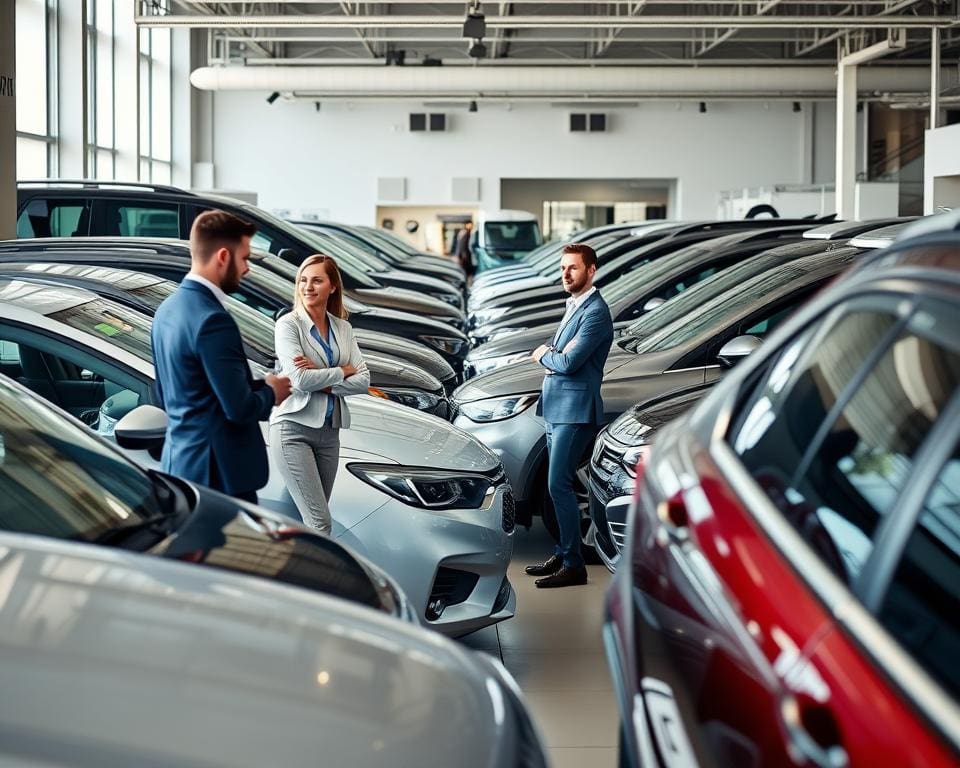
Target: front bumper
611 489
460 556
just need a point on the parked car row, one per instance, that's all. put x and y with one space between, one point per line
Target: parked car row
784 527
321 632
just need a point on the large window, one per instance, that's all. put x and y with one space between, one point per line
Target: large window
156 107
101 90
34 140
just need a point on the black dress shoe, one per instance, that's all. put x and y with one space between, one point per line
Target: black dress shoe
546 568
565 577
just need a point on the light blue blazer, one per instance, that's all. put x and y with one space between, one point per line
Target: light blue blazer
571 394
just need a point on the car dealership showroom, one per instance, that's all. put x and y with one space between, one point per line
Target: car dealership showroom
480 384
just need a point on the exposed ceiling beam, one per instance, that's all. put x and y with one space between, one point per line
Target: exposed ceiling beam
548 22
722 38
632 10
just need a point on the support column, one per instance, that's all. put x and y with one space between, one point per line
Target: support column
847 116
934 77
846 139
8 121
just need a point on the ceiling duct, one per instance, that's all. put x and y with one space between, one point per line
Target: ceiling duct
555 83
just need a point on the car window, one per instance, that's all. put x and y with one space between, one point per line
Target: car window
140 219
831 430
512 235
922 606
54 218
81 383
57 479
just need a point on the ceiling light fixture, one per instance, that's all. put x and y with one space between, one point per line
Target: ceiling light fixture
273 97
703 107
472 107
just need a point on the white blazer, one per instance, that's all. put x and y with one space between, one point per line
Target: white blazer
307 404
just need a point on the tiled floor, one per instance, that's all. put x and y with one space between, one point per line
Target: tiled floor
553 648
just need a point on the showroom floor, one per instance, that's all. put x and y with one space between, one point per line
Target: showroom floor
553 648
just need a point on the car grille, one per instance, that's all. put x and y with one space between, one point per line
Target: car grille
509 519
618 535
450 587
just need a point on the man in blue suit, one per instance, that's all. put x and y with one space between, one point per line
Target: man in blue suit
570 404
203 381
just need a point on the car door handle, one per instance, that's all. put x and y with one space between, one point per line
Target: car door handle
795 713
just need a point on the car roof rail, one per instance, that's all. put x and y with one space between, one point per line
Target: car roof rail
96 184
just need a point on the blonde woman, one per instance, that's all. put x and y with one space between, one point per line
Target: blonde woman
316 349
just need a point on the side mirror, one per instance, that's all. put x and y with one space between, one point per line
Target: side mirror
655 302
737 349
281 312
143 429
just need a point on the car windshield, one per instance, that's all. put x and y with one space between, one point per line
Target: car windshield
639 279
255 329
124 328
343 248
57 479
511 237
391 242
688 301
310 238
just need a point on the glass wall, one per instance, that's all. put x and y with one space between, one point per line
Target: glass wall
99 130
35 91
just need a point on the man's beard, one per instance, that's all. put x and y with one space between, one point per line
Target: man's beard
575 286
231 280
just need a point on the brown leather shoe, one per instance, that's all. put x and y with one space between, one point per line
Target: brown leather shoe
565 577
546 568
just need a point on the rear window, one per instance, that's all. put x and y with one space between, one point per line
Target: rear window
124 328
512 235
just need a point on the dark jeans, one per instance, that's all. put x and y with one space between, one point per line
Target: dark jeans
566 444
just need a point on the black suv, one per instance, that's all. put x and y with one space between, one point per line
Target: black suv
115 209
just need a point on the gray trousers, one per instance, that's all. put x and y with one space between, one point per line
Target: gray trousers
307 458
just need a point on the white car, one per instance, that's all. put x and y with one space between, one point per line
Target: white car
109 658
415 495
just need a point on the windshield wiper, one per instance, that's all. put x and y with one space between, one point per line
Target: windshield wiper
159 524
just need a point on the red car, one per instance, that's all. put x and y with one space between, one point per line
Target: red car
789 592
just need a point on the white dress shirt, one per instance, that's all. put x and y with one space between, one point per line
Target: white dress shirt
573 304
214 288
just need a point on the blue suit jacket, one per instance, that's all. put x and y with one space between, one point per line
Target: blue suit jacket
571 395
204 384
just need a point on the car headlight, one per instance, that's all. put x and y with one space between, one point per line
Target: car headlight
498 408
427 488
485 364
422 401
633 456
449 344
628 430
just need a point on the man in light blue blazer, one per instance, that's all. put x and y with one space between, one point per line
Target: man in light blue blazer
203 382
571 405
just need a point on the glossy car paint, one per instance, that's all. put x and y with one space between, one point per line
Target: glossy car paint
152 662
628 377
266 287
198 525
410 543
722 595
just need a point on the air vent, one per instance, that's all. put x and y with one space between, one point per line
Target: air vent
433 121
593 122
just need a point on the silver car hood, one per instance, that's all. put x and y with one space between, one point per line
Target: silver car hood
133 660
477 298
527 376
406 436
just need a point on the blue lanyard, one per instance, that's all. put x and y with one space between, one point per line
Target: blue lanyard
328 349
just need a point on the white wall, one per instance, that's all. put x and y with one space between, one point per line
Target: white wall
296 157
941 170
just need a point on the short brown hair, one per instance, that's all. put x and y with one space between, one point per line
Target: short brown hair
213 230
587 253
335 302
